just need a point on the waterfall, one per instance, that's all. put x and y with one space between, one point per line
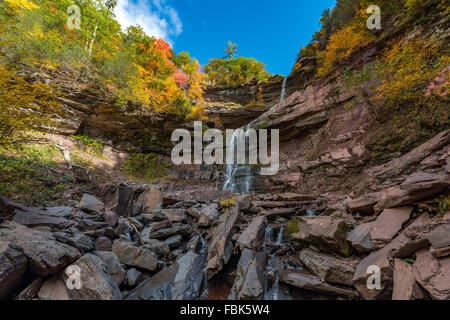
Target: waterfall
238 177
283 90
272 292
280 237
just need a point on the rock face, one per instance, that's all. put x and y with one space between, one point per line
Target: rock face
253 235
249 282
95 282
325 233
433 274
405 286
183 280
328 268
45 255
131 255
220 247
13 264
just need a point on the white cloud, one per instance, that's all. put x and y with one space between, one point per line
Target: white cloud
156 17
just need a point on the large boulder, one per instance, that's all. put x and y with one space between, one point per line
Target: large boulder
433 274
95 282
163 233
150 199
45 254
89 203
304 280
131 255
13 264
113 265
359 237
183 280
249 282
388 224
77 240
208 214
326 233
39 218
405 286
253 235
328 268
219 251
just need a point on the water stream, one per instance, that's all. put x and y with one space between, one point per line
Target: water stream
283 90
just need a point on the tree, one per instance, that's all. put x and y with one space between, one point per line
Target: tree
231 51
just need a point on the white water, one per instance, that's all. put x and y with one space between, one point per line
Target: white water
238 177
283 90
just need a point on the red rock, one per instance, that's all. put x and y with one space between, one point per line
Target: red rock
405 286
388 224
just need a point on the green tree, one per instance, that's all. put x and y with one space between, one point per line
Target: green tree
231 51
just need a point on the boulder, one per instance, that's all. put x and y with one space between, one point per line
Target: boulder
405 286
326 233
103 244
183 280
159 247
208 214
175 215
151 199
388 224
290 196
13 264
131 255
219 251
181 229
38 218
433 274
359 237
253 235
95 282
111 218
304 280
31 291
174 241
249 282
134 277
90 204
328 268
77 240
113 265
45 254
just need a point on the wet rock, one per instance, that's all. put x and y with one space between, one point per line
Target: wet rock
91 204
103 244
253 235
249 282
13 264
325 233
388 224
196 244
113 265
77 240
405 286
304 280
208 214
219 251
183 280
175 215
45 254
131 255
134 277
96 283
151 200
433 274
359 237
328 268
174 241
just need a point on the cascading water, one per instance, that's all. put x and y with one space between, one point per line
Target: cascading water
238 177
273 239
283 90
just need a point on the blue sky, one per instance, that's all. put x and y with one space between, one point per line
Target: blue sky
270 31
